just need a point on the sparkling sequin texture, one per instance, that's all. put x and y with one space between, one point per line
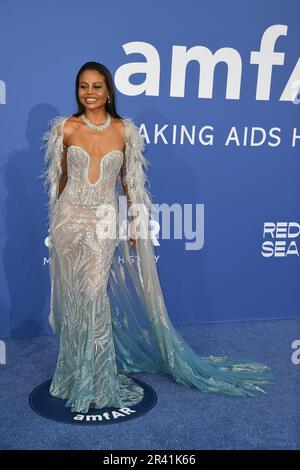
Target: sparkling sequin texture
106 305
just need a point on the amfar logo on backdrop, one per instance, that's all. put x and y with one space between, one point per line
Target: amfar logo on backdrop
281 239
265 58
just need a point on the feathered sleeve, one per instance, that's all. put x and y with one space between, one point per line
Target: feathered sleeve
53 148
134 178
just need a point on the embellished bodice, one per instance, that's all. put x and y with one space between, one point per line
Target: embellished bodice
79 190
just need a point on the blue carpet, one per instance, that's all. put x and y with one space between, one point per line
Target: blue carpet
183 418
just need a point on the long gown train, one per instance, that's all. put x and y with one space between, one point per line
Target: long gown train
107 308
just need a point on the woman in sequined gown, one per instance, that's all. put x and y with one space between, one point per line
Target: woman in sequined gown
110 317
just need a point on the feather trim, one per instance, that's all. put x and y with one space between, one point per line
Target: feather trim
136 165
53 147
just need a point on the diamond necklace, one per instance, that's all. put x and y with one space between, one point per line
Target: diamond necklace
93 126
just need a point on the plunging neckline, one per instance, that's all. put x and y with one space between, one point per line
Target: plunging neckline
88 155
89 162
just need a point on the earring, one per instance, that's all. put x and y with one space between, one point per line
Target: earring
108 100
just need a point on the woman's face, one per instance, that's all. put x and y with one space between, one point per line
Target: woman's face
92 92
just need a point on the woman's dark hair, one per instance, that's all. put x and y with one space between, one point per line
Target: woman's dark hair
110 107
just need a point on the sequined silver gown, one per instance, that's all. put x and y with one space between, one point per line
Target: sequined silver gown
107 311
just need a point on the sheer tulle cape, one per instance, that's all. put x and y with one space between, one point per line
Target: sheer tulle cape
144 337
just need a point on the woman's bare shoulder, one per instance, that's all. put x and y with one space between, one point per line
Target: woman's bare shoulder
119 123
68 129
73 121
71 124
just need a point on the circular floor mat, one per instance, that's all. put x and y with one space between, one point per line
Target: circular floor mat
53 408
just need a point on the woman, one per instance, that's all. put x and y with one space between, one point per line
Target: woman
109 315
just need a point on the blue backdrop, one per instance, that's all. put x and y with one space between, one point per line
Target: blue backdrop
231 66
